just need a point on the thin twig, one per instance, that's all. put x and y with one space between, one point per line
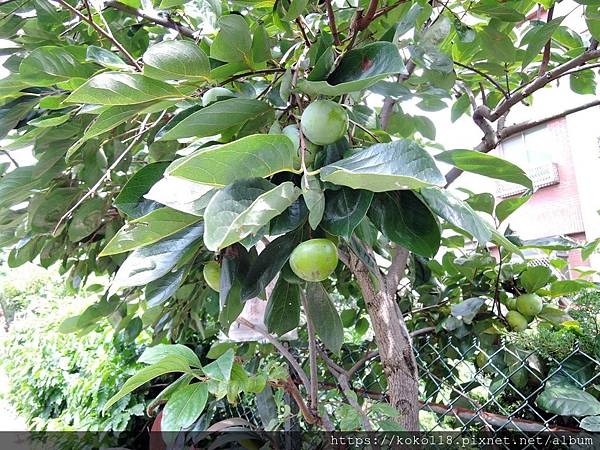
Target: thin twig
312 352
252 73
106 174
185 31
303 31
284 352
484 75
547 47
366 130
9 156
102 32
332 24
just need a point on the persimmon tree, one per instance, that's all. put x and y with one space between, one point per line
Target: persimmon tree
171 136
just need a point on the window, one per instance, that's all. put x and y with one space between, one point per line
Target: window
531 148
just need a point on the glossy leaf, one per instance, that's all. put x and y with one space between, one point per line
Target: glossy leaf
397 165
457 213
325 318
86 219
233 43
115 88
153 261
220 369
506 207
259 155
159 291
344 210
535 278
131 196
156 353
148 229
405 220
49 65
243 208
567 400
181 194
268 264
314 197
106 58
169 364
359 69
176 60
215 119
184 407
282 313
486 165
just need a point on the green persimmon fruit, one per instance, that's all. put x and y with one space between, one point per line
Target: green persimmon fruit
212 275
516 320
324 122
511 303
292 132
216 93
529 304
314 260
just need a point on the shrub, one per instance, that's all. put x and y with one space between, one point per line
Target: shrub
62 381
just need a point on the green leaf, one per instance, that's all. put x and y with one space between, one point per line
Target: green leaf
148 229
459 107
295 9
498 11
49 65
243 208
315 200
181 194
131 198
535 278
537 38
46 122
324 316
282 313
233 43
569 287
87 219
486 165
220 369
259 155
153 261
589 248
106 58
567 400
482 202
405 220
590 423
357 70
583 82
160 290
215 119
457 213
401 164
557 243
157 353
169 364
497 45
114 88
176 60
344 209
261 47
268 264
506 207
467 309
184 407
592 19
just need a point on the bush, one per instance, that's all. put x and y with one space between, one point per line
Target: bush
62 381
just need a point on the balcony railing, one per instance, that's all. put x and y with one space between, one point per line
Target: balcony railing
542 175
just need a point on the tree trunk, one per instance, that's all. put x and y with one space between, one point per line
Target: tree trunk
394 344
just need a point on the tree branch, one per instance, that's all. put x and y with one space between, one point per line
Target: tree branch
507 132
9 156
312 352
284 352
101 31
332 24
184 31
540 82
396 270
484 75
547 47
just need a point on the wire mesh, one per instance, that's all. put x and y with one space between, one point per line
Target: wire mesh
494 393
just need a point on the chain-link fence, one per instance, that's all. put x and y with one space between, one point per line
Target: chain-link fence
467 387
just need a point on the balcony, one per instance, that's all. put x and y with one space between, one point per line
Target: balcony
542 175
